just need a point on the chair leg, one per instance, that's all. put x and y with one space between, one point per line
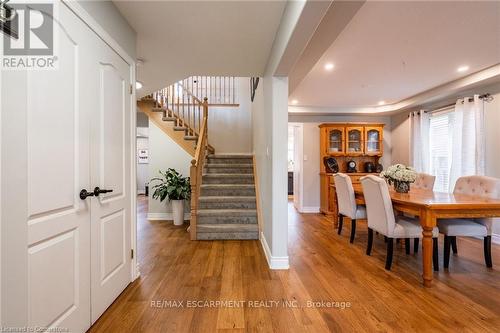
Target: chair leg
454 244
370 242
353 230
407 245
446 257
487 251
435 254
341 222
385 239
415 245
388 260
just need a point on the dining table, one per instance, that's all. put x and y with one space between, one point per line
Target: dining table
429 206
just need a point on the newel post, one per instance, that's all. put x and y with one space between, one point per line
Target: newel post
205 116
193 174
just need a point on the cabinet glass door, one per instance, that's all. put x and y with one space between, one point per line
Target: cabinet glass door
335 141
373 141
355 141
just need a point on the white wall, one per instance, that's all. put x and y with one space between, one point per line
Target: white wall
311 159
164 153
492 121
109 17
230 128
142 170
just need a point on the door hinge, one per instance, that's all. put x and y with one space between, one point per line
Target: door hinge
131 89
132 254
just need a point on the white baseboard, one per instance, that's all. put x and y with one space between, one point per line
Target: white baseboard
273 262
309 210
165 216
495 238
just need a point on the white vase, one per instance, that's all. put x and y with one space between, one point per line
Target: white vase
178 211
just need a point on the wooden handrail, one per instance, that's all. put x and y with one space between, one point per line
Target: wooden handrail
196 169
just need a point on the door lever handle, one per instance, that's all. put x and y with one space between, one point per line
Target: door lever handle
98 191
84 194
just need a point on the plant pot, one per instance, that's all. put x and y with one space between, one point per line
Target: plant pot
178 211
401 187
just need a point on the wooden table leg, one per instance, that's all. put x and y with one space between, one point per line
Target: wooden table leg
428 221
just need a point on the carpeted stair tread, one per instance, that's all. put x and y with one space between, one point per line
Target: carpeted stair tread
227 212
201 228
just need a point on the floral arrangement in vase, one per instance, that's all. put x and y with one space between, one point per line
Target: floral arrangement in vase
401 176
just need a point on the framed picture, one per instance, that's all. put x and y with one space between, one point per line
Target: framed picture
142 156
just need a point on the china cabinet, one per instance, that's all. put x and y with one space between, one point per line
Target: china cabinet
361 143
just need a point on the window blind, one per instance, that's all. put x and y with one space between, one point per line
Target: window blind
440 132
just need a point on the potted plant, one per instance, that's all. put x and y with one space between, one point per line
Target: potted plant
401 176
176 188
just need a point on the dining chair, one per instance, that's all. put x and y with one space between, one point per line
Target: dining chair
381 218
424 181
346 202
483 186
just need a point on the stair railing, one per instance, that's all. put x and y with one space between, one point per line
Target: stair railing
196 170
220 90
182 106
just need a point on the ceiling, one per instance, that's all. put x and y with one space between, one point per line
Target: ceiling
391 51
177 39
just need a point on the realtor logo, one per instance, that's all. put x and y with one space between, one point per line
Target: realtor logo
34 47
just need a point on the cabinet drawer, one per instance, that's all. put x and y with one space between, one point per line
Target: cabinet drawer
356 179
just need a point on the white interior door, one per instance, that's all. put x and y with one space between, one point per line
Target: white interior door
44 164
110 170
64 260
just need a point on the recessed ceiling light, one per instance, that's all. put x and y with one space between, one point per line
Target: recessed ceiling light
381 103
329 66
462 69
138 85
294 101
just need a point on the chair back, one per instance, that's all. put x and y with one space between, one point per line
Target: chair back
484 186
424 181
346 200
378 205
478 185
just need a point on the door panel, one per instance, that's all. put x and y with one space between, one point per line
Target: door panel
46 228
111 162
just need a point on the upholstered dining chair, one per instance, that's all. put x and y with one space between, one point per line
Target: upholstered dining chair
424 181
346 203
483 186
381 219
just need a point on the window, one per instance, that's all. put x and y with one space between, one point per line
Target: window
441 133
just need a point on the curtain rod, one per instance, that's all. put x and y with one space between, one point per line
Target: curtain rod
485 97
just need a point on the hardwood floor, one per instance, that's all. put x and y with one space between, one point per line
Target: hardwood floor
324 267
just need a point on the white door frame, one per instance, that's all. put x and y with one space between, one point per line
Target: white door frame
298 144
99 31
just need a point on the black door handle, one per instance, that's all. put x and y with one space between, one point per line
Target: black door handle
84 194
98 191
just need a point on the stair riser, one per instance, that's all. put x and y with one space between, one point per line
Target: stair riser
227 205
243 170
226 220
227 192
228 180
230 160
226 235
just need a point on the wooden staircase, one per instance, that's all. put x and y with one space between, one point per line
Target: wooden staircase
223 197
